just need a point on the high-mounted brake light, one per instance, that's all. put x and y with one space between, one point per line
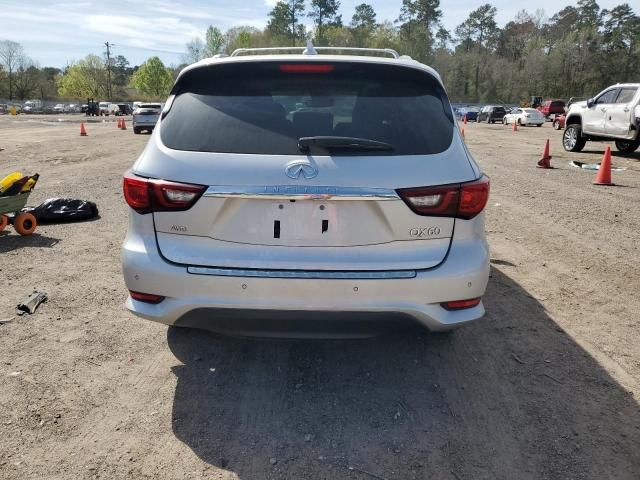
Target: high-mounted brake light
305 68
147 195
461 200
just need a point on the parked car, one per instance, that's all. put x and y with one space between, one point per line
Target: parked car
524 116
247 217
559 121
610 115
471 113
33 106
59 108
103 108
4 108
549 108
491 114
72 108
123 109
145 117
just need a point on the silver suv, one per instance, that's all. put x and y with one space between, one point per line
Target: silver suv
281 191
613 114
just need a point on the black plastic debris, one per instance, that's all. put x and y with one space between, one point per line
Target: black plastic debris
60 210
32 303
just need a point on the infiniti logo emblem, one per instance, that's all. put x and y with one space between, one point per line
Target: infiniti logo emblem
300 167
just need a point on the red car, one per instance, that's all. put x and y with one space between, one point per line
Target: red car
558 122
552 107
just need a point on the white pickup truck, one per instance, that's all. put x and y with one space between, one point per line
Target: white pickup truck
613 114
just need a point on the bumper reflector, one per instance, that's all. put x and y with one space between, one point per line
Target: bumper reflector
461 304
146 297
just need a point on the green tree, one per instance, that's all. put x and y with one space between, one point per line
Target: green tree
86 78
284 20
363 22
27 78
480 27
420 18
153 78
214 41
324 14
621 44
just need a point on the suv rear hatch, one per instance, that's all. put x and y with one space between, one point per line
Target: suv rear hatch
300 165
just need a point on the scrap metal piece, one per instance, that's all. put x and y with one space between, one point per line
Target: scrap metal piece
31 303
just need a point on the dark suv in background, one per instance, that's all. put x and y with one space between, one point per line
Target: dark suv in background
491 114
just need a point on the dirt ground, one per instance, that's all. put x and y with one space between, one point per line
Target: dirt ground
545 387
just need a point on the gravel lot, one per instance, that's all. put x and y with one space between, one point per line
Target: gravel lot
545 387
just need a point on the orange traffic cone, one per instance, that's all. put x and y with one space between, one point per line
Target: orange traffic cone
603 177
119 123
545 160
123 125
464 119
83 132
515 126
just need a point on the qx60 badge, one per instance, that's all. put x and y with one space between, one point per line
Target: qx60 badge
299 168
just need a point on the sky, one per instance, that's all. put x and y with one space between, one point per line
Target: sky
57 33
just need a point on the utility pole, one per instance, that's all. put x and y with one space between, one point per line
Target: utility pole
109 45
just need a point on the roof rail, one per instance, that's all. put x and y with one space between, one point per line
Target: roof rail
311 50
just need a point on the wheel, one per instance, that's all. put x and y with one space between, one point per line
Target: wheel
627 146
25 223
539 125
572 139
4 221
519 122
136 130
556 124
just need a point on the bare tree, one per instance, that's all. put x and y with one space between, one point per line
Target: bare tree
10 57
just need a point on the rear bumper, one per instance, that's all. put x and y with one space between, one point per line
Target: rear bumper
210 301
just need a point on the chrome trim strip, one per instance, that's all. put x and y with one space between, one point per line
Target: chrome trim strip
301 192
307 274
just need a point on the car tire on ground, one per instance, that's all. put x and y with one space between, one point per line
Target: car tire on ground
538 125
627 146
519 122
572 139
556 124
136 130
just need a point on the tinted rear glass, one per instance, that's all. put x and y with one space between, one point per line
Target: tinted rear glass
259 108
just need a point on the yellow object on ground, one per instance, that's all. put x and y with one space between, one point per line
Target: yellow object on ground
7 181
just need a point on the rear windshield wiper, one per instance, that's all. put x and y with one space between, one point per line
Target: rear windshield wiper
341 143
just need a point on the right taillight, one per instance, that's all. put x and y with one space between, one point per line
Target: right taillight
461 200
147 195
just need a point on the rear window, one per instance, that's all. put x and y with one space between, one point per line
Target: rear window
557 104
264 108
498 109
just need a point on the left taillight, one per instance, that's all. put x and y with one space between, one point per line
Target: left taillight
461 200
147 195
